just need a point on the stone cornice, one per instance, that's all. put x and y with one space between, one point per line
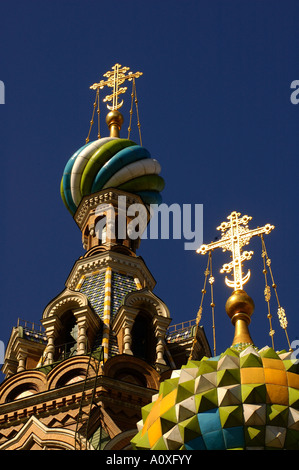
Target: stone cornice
18 344
117 262
107 389
106 196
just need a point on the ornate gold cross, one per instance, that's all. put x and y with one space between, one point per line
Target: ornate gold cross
235 234
115 77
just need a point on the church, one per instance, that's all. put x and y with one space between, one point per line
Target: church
106 369
105 343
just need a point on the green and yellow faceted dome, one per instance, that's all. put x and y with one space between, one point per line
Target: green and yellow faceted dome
242 399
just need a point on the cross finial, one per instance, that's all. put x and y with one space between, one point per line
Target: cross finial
235 234
116 77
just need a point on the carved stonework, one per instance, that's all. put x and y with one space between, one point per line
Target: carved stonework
89 203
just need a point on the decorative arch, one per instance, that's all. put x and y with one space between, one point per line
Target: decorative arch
66 300
137 368
147 300
72 368
69 319
137 305
121 441
30 380
123 250
95 250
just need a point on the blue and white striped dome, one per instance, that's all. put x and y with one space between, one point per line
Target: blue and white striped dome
111 162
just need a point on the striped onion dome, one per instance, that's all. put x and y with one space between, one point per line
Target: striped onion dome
111 162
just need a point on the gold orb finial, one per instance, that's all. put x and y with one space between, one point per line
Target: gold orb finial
239 307
114 121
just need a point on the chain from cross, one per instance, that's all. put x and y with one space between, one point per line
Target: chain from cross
234 235
115 77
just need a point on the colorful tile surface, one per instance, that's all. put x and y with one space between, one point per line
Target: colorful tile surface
121 285
240 400
93 286
106 298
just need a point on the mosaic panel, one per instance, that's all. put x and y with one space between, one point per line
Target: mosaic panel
94 288
121 286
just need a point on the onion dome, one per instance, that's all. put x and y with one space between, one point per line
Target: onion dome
246 399
111 162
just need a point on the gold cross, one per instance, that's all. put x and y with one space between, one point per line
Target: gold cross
115 78
235 234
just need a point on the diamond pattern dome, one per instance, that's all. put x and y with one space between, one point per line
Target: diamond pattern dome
246 399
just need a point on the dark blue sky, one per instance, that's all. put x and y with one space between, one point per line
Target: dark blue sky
215 110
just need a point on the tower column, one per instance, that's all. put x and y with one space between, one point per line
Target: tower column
82 339
50 349
127 336
52 326
21 361
161 325
123 328
85 320
160 348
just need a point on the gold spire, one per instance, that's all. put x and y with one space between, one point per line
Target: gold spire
115 77
234 235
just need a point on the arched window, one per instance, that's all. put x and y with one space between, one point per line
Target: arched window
143 338
105 228
70 377
131 376
22 391
66 341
